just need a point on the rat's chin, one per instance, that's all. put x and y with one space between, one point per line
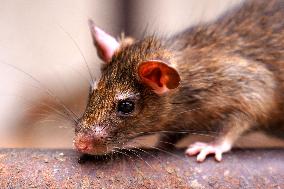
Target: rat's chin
93 150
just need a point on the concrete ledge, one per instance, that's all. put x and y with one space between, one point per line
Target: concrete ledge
28 168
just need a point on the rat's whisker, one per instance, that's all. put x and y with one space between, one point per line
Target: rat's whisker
43 112
80 51
185 131
67 111
137 155
81 75
47 121
117 150
156 148
59 112
144 151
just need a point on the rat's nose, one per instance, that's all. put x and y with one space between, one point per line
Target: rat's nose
91 143
83 143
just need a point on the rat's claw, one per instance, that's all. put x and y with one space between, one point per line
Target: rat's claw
209 150
204 149
194 149
218 155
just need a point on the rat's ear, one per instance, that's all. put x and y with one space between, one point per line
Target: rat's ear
106 45
158 75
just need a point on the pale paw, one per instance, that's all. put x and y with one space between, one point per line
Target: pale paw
203 149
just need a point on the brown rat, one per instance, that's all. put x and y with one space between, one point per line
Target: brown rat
225 76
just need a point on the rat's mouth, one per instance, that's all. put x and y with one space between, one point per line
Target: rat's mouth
91 149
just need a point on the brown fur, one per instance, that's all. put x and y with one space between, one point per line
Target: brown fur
231 79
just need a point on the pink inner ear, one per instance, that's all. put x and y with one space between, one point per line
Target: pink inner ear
106 44
158 75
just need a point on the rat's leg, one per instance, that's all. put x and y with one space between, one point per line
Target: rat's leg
233 129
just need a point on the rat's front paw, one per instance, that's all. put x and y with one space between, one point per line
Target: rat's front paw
204 149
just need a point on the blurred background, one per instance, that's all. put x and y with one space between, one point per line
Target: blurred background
43 44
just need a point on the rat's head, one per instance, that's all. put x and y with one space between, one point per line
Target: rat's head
128 100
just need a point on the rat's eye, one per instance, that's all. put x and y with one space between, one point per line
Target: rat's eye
125 107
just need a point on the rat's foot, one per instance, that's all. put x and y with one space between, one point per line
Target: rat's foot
204 149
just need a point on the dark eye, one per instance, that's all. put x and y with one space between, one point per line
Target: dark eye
125 107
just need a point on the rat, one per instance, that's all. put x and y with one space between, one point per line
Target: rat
224 76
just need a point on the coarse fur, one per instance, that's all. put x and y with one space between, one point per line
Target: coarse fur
231 72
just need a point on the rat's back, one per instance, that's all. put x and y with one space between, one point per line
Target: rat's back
257 30
254 29
239 56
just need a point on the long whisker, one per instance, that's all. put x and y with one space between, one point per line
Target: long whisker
57 111
211 134
80 74
156 148
47 121
60 113
80 51
117 150
134 152
43 114
144 151
67 111
187 131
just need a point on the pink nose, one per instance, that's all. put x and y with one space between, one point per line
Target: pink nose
89 144
83 143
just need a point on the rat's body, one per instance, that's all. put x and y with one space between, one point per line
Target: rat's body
225 77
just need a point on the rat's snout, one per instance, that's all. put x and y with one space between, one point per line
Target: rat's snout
92 141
